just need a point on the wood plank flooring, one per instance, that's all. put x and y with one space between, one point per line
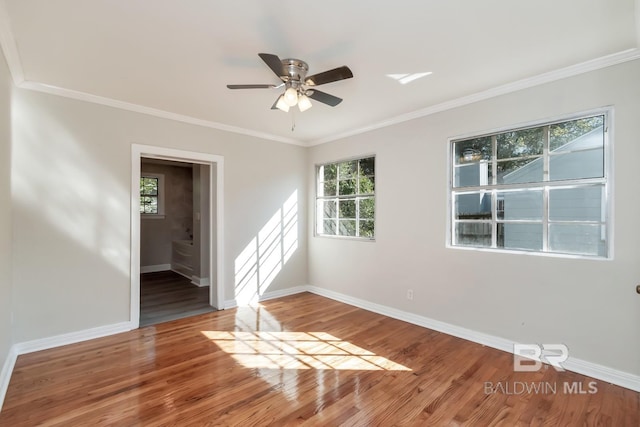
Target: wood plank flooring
166 295
298 360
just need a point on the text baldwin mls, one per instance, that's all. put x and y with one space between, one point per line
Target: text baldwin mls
521 387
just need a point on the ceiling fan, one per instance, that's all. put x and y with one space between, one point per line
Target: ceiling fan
298 86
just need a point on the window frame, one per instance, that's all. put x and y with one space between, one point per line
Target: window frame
317 181
606 182
161 184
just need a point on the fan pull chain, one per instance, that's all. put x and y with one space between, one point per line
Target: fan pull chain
293 120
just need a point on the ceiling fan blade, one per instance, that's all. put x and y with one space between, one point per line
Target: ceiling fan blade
274 63
323 97
251 86
334 75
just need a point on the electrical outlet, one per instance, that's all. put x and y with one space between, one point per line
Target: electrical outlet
409 294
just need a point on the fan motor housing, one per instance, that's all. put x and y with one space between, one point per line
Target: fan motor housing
294 70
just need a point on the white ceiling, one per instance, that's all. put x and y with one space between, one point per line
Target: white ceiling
177 56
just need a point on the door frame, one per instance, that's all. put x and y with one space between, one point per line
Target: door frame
215 162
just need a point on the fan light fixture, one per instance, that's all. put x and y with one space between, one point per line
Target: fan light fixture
282 104
304 103
291 96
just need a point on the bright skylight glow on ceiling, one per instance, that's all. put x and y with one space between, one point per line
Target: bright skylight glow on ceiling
408 78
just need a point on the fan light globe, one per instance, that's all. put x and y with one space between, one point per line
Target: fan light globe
291 96
282 105
304 103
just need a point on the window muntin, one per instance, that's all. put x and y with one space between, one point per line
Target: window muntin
345 198
542 189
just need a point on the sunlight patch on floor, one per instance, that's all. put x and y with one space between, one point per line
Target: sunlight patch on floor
298 350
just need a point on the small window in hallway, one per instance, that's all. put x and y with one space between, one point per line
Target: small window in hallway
151 192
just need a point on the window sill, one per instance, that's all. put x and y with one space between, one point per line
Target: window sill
352 238
530 253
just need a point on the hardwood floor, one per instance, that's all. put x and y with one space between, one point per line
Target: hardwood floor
166 295
299 360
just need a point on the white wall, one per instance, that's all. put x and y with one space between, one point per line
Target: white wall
71 178
591 306
5 212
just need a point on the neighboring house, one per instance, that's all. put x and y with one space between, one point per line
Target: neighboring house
577 159
580 158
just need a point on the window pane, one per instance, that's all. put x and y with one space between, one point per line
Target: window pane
328 172
367 185
582 239
473 234
150 209
149 186
473 206
472 174
577 165
347 209
347 187
347 227
519 171
347 169
366 228
472 150
520 236
520 205
329 209
576 204
329 227
576 133
367 208
525 142
327 189
367 166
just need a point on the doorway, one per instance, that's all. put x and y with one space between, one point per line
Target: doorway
204 235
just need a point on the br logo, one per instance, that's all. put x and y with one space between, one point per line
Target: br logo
530 357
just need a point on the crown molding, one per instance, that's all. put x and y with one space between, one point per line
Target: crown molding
551 76
83 96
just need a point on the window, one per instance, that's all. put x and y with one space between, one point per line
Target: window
152 195
536 189
345 198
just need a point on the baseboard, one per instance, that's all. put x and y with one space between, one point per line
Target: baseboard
604 373
201 282
71 338
154 268
5 374
594 370
232 303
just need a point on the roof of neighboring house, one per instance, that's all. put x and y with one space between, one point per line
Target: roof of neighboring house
592 139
